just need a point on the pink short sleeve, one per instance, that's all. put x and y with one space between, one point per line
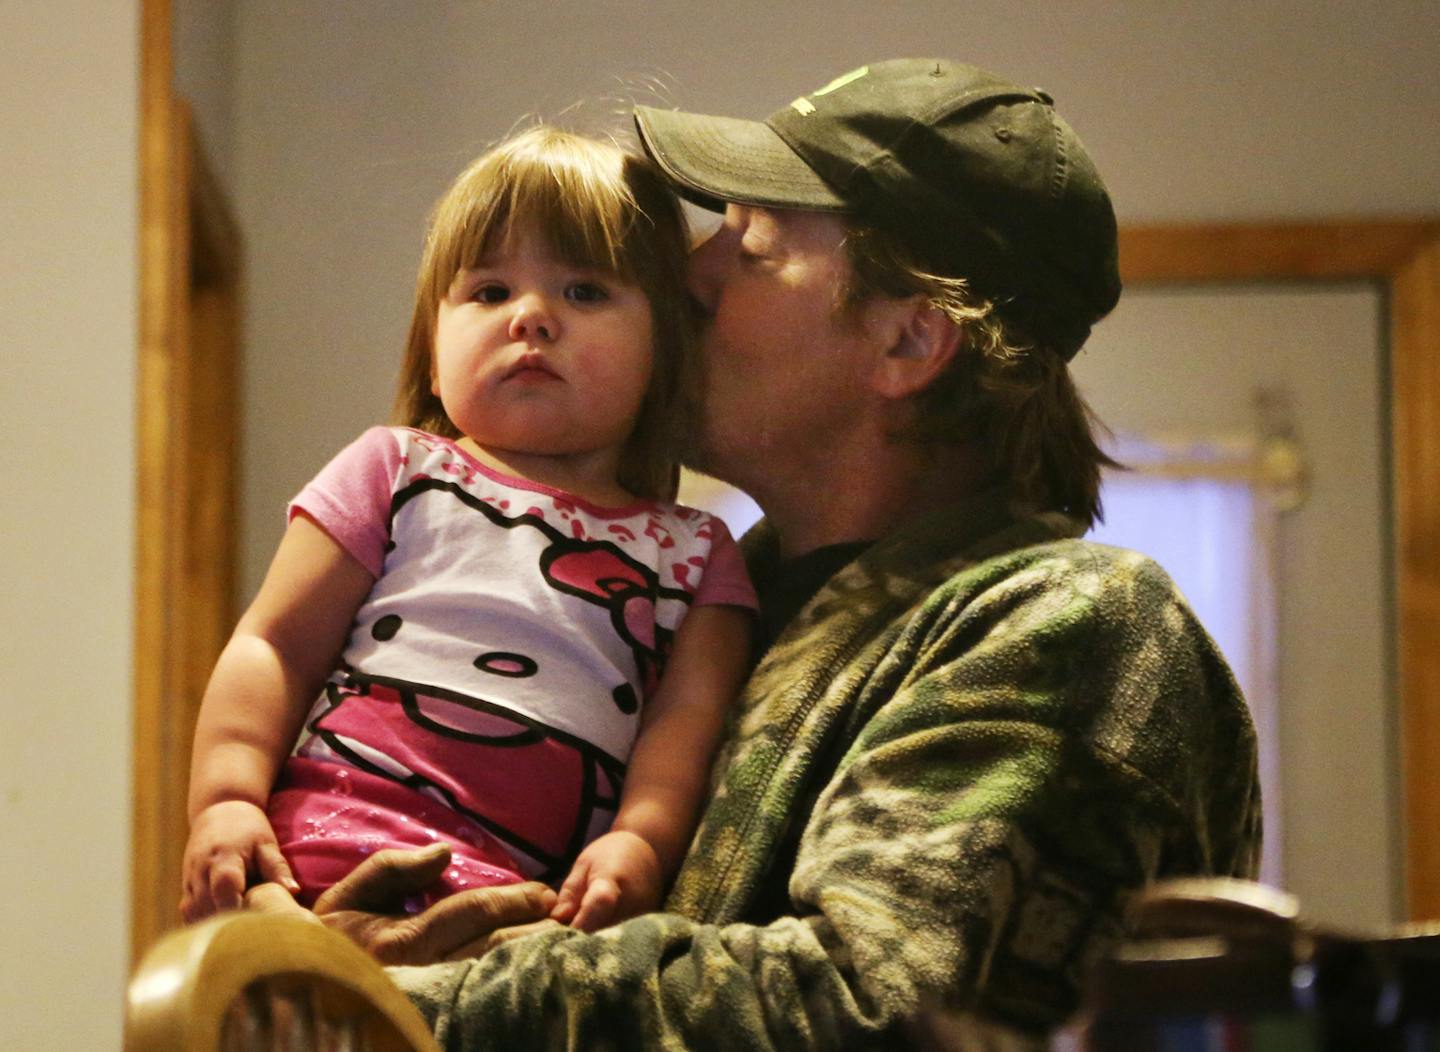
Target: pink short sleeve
350 498
726 581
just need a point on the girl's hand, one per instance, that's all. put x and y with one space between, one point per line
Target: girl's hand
616 877
229 842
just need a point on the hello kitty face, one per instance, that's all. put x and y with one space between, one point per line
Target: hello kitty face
519 608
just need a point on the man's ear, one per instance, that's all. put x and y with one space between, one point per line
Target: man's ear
923 347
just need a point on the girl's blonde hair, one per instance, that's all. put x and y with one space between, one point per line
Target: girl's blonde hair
593 205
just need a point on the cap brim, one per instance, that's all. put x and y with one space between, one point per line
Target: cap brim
713 160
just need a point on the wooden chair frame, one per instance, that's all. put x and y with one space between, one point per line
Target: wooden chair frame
237 968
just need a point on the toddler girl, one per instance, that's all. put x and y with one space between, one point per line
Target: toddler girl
507 621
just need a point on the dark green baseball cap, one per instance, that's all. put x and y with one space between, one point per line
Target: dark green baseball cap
979 178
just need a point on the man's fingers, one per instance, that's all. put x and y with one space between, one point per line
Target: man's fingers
384 880
272 898
469 917
273 867
480 947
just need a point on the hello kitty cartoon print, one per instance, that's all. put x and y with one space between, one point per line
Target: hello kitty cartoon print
492 684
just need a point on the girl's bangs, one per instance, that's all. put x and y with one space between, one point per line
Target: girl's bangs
575 202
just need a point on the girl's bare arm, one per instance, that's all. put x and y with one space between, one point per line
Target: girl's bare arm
670 765
625 872
283 649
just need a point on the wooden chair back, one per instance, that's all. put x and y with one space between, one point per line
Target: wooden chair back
250 981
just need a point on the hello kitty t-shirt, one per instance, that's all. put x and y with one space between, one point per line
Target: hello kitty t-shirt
491 687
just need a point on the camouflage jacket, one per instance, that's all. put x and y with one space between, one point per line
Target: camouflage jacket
1004 731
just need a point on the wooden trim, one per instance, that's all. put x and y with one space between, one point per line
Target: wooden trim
186 423
163 265
1366 250
1403 258
1415 387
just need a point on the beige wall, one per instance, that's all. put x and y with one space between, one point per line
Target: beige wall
68 124
203 42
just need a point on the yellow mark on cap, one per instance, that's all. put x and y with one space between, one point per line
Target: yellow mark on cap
805 107
842 80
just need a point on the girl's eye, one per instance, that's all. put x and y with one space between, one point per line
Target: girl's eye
586 292
490 293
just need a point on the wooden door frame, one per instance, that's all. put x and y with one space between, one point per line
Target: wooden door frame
187 424
1401 258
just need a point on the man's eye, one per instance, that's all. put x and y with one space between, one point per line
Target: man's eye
586 292
749 255
490 293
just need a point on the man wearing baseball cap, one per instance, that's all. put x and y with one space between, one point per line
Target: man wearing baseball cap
971 735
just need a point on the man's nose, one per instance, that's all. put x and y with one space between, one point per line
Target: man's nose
533 319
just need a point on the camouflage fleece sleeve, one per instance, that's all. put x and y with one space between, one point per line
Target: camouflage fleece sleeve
1033 744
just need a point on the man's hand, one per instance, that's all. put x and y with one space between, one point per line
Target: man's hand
617 876
369 907
230 842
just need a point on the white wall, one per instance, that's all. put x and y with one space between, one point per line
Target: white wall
68 121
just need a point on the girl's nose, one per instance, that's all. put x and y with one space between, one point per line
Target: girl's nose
533 319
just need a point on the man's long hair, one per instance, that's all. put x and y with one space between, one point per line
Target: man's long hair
1006 395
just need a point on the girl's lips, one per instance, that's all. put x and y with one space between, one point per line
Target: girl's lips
531 367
